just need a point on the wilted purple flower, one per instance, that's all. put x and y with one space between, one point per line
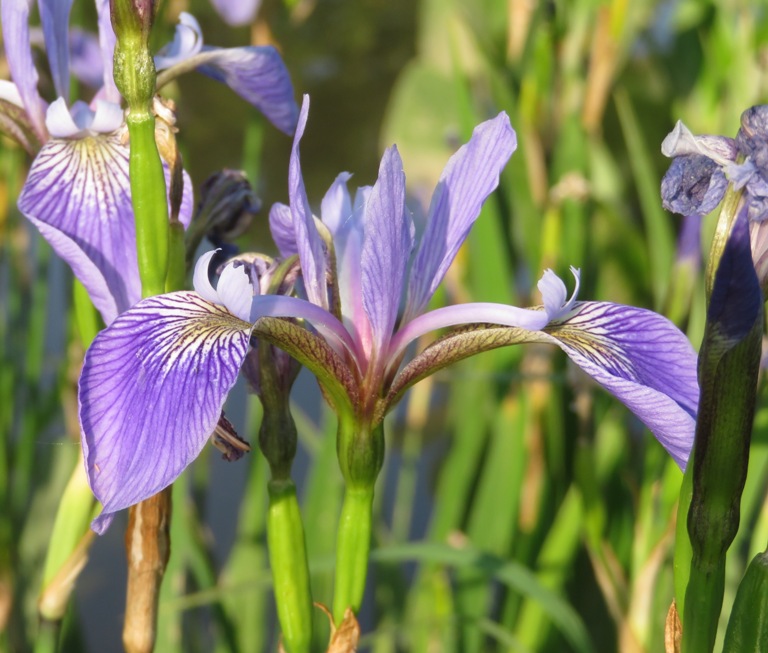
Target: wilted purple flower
703 166
154 382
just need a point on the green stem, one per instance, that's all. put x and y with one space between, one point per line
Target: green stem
290 572
47 640
150 204
703 602
353 547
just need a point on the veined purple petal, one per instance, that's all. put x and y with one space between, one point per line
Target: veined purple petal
308 242
77 194
387 244
237 12
281 227
14 20
107 41
336 207
259 76
470 176
474 313
642 359
151 392
54 15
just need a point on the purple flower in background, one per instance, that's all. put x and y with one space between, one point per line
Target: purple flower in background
237 12
154 382
77 192
255 73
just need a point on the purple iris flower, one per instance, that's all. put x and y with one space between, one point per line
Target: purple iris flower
154 382
77 192
255 73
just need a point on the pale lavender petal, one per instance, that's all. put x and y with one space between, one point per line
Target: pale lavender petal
14 20
201 281
642 359
474 313
107 41
469 177
348 244
336 207
151 392
85 59
236 292
10 93
77 194
54 15
387 244
187 42
554 293
107 117
59 120
308 241
259 76
281 227
237 12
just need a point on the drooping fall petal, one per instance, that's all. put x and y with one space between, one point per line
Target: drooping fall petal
151 392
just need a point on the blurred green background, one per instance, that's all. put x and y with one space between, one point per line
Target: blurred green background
521 508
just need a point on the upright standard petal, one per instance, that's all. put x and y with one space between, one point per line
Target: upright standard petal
107 42
281 228
469 177
387 244
14 20
308 242
54 15
151 392
641 358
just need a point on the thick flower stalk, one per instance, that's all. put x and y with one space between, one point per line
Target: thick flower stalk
705 171
360 263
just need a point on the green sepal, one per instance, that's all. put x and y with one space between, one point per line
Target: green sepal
315 354
15 124
454 346
748 626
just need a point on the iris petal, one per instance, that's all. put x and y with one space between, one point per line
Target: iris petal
77 194
469 177
14 20
281 228
308 242
151 392
642 359
387 244
54 15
